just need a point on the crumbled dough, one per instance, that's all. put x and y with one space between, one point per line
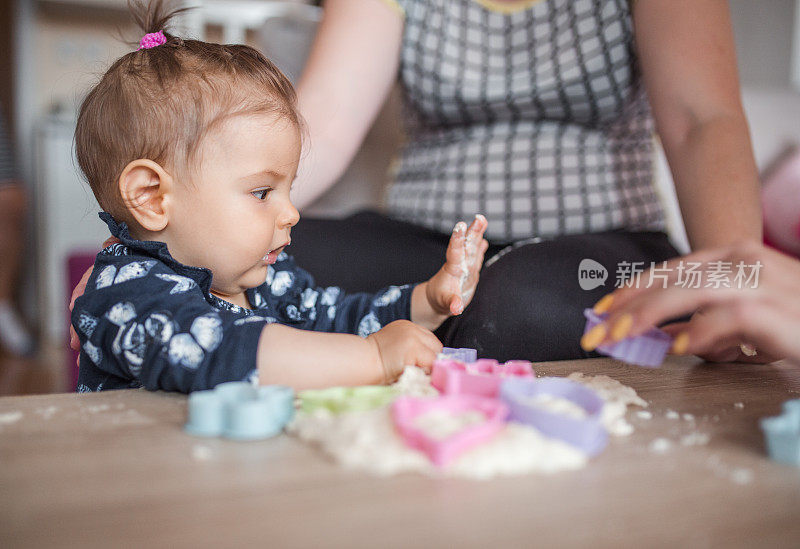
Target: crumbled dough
415 382
695 439
660 446
368 440
48 412
617 396
201 452
556 405
439 425
10 417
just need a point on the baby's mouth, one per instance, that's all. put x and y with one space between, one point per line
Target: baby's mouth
272 256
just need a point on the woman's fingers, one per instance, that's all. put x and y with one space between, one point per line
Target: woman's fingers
647 310
760 308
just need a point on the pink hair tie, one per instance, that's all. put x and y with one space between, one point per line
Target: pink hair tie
151 40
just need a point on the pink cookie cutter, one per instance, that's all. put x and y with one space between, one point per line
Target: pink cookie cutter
406 410
480 378
647 349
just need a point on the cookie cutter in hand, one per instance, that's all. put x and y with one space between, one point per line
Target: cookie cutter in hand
442 451
338 400
647 349
782 434
241 411
463 354
480 378
587 433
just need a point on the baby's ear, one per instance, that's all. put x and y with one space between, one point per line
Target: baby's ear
143 185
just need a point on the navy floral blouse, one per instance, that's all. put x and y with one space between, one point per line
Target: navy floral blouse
147 320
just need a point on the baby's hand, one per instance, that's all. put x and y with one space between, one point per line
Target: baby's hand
451 289
402 343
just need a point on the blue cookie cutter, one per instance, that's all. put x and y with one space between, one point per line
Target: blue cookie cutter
588 433
241 411
782 434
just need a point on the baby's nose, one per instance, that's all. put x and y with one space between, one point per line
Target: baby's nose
290 216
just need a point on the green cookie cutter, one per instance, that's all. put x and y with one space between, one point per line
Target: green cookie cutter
347 399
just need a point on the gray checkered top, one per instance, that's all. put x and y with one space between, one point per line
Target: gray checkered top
537 119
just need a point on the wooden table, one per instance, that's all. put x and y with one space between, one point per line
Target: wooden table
97 470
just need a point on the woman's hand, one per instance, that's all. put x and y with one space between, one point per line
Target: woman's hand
450 290
728 323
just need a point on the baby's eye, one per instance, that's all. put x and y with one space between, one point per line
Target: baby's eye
261 194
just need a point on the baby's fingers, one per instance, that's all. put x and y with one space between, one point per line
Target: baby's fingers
455 250
456 305
477 227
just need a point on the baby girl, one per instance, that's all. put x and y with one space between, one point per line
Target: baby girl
191 149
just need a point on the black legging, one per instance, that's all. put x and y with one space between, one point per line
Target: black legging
528 303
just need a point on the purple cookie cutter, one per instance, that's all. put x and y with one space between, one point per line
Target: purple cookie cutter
587 433
647 349
406 410
463 354
480 378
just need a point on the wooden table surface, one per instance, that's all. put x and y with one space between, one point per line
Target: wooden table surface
95 470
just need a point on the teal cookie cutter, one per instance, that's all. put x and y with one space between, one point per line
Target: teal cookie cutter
339 400
240 411
782 434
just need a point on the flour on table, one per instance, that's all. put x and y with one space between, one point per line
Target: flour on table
47 412
644 414
617 397
201 452
660 446
10 417
695 439
97 408
672 414
737 475
368 440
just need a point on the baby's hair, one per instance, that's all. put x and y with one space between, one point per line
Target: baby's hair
159 102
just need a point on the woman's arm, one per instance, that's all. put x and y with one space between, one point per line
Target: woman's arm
352 66
686 50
